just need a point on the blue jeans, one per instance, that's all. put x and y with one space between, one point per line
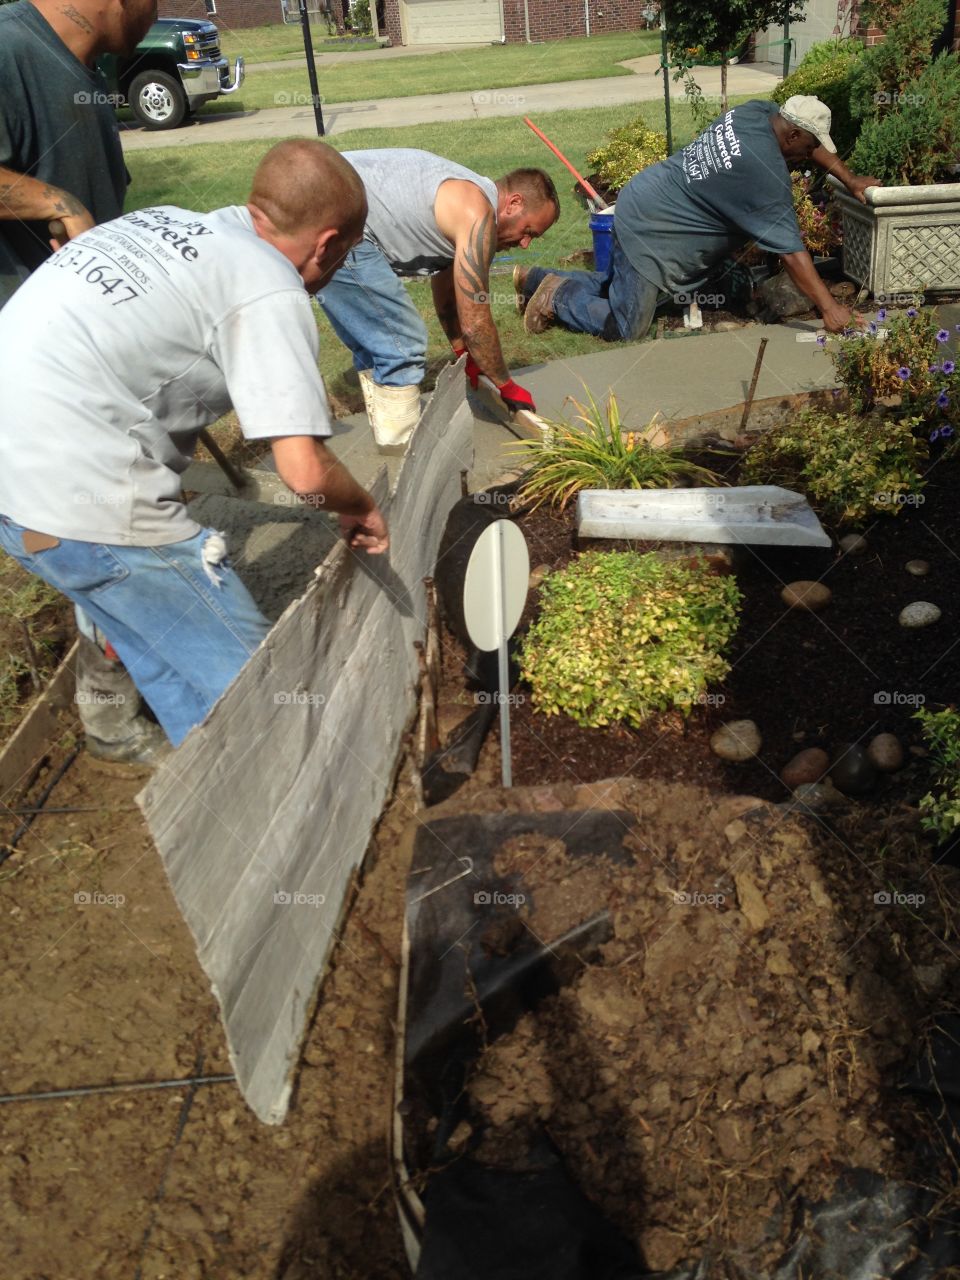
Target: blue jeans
372 313
181 628
618 304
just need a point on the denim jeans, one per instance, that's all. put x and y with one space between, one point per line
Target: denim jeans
618 304
372 313
182 628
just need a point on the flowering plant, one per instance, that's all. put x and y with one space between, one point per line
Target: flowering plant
911 363
818 220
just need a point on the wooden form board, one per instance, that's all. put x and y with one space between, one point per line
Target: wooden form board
264 813
39 728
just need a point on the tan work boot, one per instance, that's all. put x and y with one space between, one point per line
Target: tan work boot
519 286
539 314
393 413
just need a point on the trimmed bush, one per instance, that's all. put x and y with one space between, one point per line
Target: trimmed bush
622 635
916 131
627 150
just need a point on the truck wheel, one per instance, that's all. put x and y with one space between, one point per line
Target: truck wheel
157 100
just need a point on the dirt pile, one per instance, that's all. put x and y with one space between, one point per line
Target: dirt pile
734 1048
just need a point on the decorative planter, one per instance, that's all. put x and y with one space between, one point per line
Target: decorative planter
904 239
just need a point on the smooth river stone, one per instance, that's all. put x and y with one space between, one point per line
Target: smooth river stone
806 766
852 771
853 544
919 568
885 752
811 596
919 614
736 741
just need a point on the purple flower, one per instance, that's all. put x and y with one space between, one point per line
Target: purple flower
946 431
932 368
911 312
943 335
821 340
942 400
872 327
934 435
948 366
882 313
903 373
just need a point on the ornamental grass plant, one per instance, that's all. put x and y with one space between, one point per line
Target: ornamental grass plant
599 454
622 635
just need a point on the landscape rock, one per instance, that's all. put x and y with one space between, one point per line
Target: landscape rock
919 568
779 297
818 796
919 614
811 596
853 544
736 741
885 752
852 771
806 766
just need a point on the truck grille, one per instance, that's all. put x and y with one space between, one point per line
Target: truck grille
208 42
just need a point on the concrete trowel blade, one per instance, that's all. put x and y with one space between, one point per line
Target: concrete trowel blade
750 514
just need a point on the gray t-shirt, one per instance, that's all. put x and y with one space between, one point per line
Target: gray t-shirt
124 344
402 185
57 124
730 185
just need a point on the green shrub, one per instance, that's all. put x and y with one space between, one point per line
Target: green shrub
825 72
621 635
627 150
915 132
886 69
940 808
850 467
600 455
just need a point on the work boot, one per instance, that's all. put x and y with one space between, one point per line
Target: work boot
520 288
539 314
393 412
111 710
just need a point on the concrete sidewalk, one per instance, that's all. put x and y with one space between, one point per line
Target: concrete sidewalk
439 108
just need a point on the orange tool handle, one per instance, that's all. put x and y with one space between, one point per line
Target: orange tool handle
563 160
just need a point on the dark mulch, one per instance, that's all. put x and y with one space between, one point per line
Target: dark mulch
824 679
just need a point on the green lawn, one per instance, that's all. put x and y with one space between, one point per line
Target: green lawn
496 67
206 177
280 40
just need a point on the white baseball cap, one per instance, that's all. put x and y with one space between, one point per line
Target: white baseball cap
808 112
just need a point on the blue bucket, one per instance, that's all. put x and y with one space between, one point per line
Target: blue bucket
601 224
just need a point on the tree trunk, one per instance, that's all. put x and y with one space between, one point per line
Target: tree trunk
723 84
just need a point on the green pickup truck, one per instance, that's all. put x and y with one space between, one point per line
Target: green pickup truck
175 68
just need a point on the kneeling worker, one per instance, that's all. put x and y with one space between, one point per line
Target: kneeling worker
429 217
114 354
677 219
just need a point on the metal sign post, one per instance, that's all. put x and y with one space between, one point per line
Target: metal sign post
311 67
494 593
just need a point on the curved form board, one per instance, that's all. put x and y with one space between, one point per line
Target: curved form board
264 813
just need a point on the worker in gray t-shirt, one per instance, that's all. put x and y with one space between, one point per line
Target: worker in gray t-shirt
429 217
677 219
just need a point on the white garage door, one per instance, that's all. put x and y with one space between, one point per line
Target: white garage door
450 21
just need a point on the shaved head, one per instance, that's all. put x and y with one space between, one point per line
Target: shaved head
303 184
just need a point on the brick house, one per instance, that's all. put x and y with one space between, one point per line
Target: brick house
825 19
508 21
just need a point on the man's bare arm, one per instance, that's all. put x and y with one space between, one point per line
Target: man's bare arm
445 303
854 183
29 200
803 273
475 247
307 466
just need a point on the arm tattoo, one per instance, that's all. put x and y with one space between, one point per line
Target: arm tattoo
474 262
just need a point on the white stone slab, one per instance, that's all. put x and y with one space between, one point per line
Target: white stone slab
264 813
750 514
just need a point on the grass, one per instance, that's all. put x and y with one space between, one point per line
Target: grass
189 177
283 40
472 69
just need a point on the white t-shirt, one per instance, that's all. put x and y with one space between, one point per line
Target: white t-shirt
123 345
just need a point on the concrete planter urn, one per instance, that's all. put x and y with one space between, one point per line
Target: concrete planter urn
904 239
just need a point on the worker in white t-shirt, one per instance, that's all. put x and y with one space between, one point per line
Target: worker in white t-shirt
114 354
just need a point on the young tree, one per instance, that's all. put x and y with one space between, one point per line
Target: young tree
721 27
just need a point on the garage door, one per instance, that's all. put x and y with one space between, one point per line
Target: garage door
450 21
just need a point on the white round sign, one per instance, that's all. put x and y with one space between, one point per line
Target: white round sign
495 585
